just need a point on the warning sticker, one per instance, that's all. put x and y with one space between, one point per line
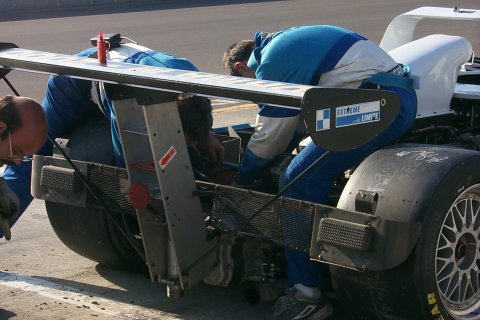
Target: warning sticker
357 114
167 157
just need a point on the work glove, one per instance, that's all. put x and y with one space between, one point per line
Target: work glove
9 206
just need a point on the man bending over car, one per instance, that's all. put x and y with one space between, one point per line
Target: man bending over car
327 56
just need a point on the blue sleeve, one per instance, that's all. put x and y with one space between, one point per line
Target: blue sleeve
274 120
87 52
160 59
151 58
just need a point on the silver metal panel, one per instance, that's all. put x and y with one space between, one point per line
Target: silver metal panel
166 79
165 169
78 198
133 135
193 252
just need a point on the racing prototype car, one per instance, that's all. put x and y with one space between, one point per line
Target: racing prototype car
402 232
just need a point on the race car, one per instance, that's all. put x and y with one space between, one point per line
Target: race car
402 233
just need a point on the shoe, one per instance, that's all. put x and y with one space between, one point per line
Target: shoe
296 306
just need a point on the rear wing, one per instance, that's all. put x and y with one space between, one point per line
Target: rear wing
337 119
155 78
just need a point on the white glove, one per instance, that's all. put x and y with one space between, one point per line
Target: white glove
9 206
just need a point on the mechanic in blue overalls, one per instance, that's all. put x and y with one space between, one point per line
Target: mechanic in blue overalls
68 100
327 56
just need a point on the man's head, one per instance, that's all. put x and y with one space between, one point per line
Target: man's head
196 116
236 57
23 128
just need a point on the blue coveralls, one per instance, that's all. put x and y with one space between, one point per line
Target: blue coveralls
68 100
326 56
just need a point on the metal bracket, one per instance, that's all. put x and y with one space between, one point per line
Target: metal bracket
164 168
64 144
53 181
366 201
361 241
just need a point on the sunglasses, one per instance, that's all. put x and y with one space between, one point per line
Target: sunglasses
17 158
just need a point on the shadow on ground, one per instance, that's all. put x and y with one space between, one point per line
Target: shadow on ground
200 302
5 314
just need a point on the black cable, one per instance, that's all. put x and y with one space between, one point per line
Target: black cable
11 86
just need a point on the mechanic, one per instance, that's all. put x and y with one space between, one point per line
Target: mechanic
327 56
68 101
23 130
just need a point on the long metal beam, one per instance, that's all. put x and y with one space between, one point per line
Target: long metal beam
166 79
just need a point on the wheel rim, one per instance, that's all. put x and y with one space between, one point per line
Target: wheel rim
458 257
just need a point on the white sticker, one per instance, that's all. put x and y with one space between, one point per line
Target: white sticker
357 114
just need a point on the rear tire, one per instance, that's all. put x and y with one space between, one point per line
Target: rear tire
89 231
441 278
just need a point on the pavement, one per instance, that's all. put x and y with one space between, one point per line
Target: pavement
55 4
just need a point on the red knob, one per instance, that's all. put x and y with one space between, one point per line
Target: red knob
138 196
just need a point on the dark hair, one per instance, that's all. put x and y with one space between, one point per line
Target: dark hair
237 52
196 115
10 115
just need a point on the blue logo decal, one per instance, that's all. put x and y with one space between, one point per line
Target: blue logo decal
323 119
357 114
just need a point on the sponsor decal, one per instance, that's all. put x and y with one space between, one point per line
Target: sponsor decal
434 310
323 120
357 114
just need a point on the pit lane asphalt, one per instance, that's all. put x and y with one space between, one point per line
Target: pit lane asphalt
39 277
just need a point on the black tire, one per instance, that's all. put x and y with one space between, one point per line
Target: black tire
422 287
90 232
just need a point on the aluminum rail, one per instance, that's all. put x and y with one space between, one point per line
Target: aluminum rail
157 78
